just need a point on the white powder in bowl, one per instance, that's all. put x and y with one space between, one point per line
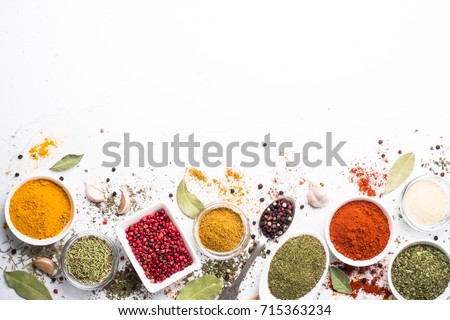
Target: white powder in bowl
425 202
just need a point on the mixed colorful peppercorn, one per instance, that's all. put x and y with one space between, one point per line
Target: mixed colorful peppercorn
276 218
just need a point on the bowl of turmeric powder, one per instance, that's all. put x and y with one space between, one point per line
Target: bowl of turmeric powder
222 230
40 210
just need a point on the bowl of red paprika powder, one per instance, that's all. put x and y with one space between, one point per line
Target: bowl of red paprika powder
360 232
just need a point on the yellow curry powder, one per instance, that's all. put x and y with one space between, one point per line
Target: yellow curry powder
40 209
221 230
42 150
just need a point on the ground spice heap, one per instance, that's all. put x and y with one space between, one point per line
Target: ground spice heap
359 230
221 230
297 267
40 209
421 272
42 150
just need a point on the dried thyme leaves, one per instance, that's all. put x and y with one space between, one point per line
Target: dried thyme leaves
421 272
89 260
124 284
297 267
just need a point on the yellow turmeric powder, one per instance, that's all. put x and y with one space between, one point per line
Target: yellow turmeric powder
42 150
221 230
40 209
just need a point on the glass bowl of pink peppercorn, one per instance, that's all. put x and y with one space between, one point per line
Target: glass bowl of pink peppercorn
159 250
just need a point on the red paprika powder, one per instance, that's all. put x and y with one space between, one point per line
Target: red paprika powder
359 230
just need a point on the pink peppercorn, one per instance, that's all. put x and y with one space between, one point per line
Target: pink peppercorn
158 246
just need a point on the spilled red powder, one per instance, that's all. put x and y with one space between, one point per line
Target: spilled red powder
365 280
369 287
367 178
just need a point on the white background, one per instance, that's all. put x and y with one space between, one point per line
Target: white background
232 70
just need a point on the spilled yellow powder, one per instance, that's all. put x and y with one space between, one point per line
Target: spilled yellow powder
197 174
42 150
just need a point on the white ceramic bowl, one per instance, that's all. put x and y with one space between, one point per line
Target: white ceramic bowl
361 263
136 217
29 240
264 291
396 294
245 237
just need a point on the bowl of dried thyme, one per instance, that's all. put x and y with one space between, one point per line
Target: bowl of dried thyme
420 271
89 260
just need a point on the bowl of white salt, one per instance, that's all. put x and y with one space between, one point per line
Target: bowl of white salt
425 203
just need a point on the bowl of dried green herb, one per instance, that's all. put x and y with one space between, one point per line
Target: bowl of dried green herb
296 270
420 271
89 260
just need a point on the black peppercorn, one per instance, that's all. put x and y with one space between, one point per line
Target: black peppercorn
53 279
170 195
380 141
436 238
13 251
114 194
232 191
264 144
302 207
281 193
20 156
261 200
254 222
61 178
438 147
113 169
268 252
260 186
364 280
107 180
16 174
253 236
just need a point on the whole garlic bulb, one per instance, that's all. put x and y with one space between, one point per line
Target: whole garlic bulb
316 197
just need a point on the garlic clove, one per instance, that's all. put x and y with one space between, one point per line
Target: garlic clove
45 264
316 197
94 194
125 202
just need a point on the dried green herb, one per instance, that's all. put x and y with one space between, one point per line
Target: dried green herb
206 287
124 284
399 172
340 281
27 285
421 272
297 267
89 260
188 202
67 162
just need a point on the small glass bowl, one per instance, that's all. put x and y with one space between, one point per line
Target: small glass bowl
239 248
115 260
420 227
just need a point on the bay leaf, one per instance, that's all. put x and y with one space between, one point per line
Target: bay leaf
27 285
399 172
189 204
207 287
340 281
67 162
